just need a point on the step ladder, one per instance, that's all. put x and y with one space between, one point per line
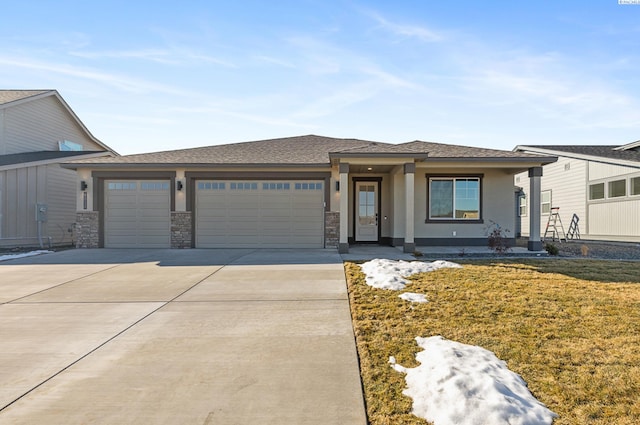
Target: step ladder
554 226
574 231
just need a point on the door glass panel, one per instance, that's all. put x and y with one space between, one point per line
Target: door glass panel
366 209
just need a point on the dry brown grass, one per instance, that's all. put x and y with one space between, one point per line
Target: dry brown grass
571 328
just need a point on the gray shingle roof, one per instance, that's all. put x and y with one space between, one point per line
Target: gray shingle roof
603 151
7 96
446 151
304 150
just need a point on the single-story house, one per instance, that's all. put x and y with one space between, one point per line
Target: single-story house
306 191
596 187
38 131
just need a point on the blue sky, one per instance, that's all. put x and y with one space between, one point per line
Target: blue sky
146 76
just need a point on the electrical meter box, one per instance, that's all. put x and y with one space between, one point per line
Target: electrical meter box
41 212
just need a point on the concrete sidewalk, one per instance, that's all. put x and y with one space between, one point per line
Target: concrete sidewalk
177 337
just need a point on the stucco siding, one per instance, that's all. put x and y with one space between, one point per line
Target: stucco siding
38 126
498 204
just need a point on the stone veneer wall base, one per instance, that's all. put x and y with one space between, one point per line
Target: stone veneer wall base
87 229
181 229
331 229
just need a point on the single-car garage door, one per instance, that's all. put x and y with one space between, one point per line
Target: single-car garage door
260 214
137 214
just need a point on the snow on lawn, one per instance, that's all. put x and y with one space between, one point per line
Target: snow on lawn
413 297
467 385
23 254
390 274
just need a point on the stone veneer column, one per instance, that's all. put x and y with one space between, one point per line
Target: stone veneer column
343 246
87 229
535 175
409 184
181 234
331 229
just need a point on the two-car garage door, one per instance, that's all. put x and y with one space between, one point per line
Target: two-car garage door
261 214
228 214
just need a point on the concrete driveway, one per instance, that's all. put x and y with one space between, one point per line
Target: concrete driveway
177 337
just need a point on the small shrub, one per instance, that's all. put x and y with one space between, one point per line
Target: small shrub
551 249
497 238
584 249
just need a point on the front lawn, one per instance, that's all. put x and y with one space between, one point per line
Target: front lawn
570 328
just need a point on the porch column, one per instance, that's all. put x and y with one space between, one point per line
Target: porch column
534 244
409 186
343 245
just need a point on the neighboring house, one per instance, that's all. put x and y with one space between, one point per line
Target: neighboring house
299 192
599 184
38 131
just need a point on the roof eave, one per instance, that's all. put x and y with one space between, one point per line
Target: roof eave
53 161
594 158
543 160
336 155
77 165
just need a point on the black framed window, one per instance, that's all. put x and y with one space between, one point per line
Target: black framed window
454 198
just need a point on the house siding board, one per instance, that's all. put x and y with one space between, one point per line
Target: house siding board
568 193
600 171
615 220
61 202
40 125
568 190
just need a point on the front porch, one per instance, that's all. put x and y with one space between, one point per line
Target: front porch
383 202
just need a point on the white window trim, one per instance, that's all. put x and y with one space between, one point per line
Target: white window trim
544 203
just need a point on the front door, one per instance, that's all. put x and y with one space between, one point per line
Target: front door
367 211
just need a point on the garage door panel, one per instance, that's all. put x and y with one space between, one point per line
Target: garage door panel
261 214
137 214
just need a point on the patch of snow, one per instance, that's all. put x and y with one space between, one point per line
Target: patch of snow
23 254
413 297
391 274
467 385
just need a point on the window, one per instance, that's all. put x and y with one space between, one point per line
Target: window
596 191
522 206
243 186
276 186
617 188
308 186
454 198
635 186
545 201
211 185
154 185
122 186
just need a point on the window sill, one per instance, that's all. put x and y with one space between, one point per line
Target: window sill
453 221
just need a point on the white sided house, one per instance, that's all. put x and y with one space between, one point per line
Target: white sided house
38 131
299 192
599 186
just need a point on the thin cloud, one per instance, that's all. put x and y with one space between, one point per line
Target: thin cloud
162 56
123 83
260 119
422 33
275 61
